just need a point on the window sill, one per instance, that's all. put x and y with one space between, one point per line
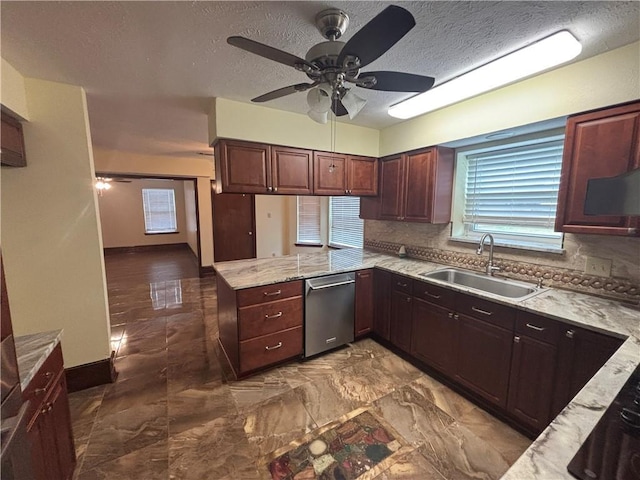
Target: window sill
340 247
515 246
161 233
308 244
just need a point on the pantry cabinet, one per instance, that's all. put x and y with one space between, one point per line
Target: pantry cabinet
603 143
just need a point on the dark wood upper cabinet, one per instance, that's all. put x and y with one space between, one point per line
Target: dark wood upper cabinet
604 143
364 302
243 167
338 174
415 187
12 142
291 171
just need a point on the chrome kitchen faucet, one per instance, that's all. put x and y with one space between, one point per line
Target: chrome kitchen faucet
490 267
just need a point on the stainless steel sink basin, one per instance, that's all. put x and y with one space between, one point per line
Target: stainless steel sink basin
496 286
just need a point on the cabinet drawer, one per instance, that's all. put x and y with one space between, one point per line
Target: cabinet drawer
262 351
433 293
43 380
490 312
541 328
269 293
271 317
401 283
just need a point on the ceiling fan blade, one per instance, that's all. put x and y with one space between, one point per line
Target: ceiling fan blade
267 52
338 108
396 81
378 36
281 92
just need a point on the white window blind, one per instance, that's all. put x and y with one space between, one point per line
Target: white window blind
513 191
159 210
345 225
308 220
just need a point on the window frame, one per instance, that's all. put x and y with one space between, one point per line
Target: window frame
338 244
146 212
316 242
466 232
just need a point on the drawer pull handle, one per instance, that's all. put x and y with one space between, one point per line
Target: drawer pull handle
537 329
570 333
403 285
277 315
516 339
48 374
275 347
450 314
270 294
330 340
39 391
431 295
479 310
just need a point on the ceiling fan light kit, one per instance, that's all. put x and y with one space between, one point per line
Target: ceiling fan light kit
542 55
333 65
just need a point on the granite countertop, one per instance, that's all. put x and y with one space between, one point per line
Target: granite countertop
32 351
550 453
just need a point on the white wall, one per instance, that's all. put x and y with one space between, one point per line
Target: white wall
191 224
606 79
122 214
198 167
51 239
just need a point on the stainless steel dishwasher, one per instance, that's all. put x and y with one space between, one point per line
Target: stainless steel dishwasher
328 312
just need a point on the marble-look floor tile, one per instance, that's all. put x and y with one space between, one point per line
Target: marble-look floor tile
197 406
411 466
371 348
148 463
133 392
299 373
364 382
190 368
323 402
123 432
216 450
444 398
458 454
342 357
150 363
84 404
276 422
258 388
401 371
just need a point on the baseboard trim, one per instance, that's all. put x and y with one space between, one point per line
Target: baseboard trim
147 248
91 374
207 271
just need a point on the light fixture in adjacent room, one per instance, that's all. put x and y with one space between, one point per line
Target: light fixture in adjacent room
102 184
541 55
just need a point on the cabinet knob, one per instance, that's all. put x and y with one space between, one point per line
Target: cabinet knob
455 316
250 233
275 189
269 189
450 314
408 299
570 333
516 339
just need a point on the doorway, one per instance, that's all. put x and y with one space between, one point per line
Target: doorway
234 226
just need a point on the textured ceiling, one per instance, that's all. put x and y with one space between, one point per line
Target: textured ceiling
150 68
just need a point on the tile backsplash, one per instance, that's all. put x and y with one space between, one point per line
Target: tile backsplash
432 242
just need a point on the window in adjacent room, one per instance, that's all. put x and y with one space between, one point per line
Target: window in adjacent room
345 225
308 221
159 210
510 190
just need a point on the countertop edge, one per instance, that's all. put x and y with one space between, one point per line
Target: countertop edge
32 351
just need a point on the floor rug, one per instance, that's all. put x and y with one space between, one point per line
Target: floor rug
343 450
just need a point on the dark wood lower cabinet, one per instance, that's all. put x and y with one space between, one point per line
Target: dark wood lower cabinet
401 320
531 383
382 302
434 334
364 306
484 358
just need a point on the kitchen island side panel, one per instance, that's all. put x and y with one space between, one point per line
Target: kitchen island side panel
228 322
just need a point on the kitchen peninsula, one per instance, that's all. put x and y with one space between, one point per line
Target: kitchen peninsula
550 453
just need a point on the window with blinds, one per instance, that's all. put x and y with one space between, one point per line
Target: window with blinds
309 220
511 192
159 210
345 225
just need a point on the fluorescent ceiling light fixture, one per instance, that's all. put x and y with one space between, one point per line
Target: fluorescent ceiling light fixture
542 55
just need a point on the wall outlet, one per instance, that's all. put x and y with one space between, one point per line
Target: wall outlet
598 266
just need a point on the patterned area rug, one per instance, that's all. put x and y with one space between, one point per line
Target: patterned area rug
352 449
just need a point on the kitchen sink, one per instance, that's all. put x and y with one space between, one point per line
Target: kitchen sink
497 286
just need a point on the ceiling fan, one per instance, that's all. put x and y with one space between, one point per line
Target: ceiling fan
333 65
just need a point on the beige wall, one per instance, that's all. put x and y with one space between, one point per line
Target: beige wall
198 167
606 79
50 235
13 94
191 224
230 119
122 214
272 226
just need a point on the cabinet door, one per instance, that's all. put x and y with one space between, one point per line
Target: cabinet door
581 353
291 171
329 174
484 358
419 185
244 166
531 384
434 336
60 419
362 176
40 440
12 152
391 188
364 302
401 320
598 144
382 314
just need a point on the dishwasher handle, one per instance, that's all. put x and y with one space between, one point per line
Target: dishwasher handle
337 284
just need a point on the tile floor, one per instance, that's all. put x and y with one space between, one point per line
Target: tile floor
175 412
